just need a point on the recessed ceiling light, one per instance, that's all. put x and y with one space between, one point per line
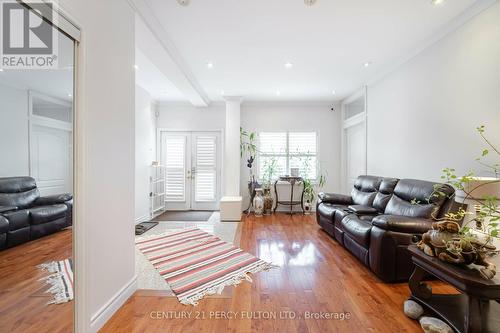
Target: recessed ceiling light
288 65
437 2
309 2
136 67
222 92
278 92
1 69
184 3
69 95
210 65
368 63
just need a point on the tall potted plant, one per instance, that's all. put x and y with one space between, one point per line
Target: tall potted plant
270 169
248 149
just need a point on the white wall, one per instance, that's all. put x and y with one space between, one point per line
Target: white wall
297 117
145 142
14 132
104 262
190 118
423 116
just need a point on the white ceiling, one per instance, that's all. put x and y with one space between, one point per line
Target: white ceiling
249 41
149 77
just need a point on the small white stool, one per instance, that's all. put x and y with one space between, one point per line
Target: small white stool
230 209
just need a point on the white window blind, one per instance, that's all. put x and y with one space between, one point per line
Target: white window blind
175 160
206 168
289 150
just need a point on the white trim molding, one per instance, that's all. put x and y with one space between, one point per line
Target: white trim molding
98 320
143 218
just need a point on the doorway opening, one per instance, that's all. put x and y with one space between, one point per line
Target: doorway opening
192 168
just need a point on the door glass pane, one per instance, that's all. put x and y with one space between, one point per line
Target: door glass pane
206 168
175 164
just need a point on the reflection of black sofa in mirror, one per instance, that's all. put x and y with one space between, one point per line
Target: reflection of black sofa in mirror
25 215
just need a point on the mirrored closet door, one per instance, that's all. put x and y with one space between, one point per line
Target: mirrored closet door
37 116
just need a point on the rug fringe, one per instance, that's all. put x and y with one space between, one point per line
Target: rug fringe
234 281
55 280
51 267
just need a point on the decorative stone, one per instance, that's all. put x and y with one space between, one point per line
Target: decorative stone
434 325
412 309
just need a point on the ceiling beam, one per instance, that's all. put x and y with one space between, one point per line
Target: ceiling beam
152 39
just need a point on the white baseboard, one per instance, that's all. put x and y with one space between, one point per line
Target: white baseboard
104 314
143 218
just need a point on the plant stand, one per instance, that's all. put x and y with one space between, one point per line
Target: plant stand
291 202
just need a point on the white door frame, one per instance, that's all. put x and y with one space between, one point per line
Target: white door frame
45 122
220 155
361 118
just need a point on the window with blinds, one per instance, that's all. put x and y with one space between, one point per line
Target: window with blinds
175 161
206 168
288 150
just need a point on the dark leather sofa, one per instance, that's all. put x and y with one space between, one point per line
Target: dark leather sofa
381 218
25 215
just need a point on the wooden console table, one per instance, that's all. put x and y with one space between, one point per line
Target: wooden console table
291 202
474 310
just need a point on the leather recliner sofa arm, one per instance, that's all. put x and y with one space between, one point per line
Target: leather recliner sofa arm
53 199
402 224
334 198
5 209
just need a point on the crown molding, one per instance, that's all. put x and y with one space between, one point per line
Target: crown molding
291 104
238 99
252 104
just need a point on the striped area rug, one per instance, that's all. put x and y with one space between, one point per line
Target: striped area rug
60 280
195 263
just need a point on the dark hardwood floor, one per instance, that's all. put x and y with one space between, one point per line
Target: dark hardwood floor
23 301
316 275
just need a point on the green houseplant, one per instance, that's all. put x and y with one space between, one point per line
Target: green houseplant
309 184
248 149
472 242
270 170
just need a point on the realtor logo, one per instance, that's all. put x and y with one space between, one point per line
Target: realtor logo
27 40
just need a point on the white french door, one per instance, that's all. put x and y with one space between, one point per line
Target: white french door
192 161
